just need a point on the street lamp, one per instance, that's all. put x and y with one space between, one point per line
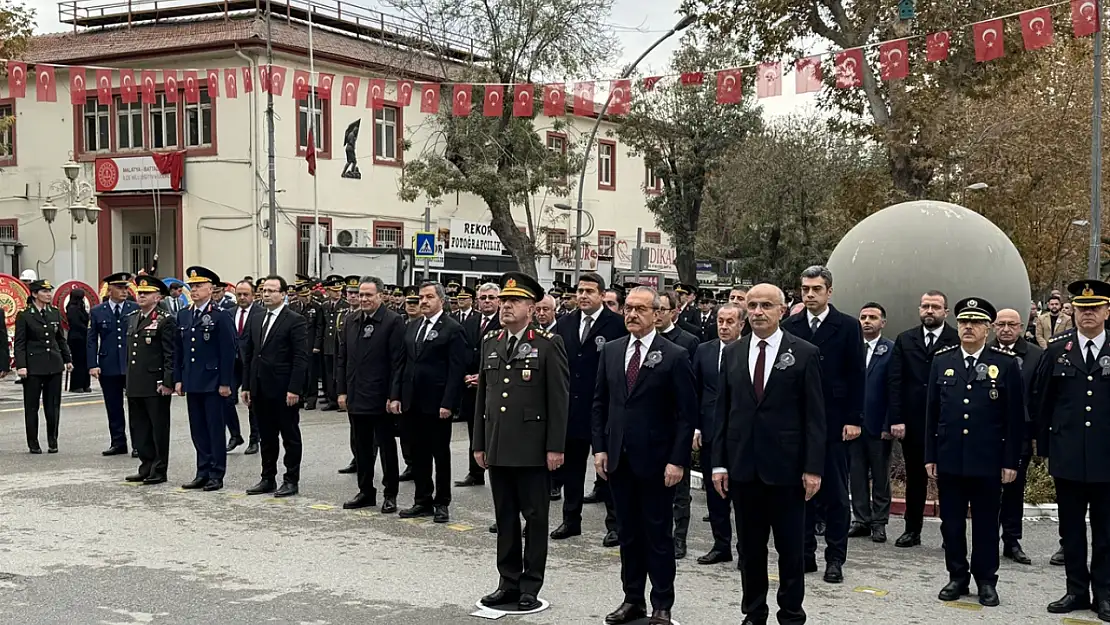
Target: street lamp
682 24
80 204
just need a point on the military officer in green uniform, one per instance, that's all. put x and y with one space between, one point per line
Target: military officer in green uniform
41 354
520 429
150 380
334 303
305 304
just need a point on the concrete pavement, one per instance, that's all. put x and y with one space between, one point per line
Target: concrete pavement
78 545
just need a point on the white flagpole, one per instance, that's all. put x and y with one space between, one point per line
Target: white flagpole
315 138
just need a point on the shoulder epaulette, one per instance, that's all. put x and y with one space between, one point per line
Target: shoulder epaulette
1061 336
490 335
995 348
133 312
945 349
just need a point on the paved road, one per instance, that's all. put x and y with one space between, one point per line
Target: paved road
80 546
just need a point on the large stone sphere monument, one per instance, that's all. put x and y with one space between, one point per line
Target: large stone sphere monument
897 254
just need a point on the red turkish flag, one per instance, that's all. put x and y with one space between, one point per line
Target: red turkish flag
523 106
104 86
248 80
323 86
691 78
310 153
768 80
300 84
894 60
348 94
728 86
429 97
584 99
277 79
169 83
404 92
808 75
77 85
620 102
988 40
148 84
650 82
494 103
192 87
17 79
231 84
849 68
46 86
128 90
1084 17
554 100
1036 28
213 78
375 93
936 46
460 98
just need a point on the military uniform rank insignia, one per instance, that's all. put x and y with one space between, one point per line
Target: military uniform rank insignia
526 375
994 393
992 371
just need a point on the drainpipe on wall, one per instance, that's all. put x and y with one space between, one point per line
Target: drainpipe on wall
256 252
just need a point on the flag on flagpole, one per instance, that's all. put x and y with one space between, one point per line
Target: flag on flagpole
310 153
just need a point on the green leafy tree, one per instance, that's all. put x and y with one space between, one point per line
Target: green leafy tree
17 21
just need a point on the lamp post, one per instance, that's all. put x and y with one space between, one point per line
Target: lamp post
73 190
682 24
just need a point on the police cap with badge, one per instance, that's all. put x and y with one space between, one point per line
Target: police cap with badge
352 283
1089 293
200 275
975 309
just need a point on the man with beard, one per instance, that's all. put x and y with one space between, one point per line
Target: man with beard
907 379
1052 322
869 464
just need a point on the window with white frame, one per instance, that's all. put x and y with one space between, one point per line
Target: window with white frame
129 125
198 121
163 123
605 243
385 134
7 132
98 126
605 164
387 236
142 251
317 113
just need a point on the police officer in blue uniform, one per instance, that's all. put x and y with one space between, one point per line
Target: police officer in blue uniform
107 355
204 362
975 423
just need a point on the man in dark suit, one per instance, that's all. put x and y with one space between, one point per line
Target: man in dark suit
151 334
707 369
769 445
475 327
585 334
907 378
666 323
368 369
840 341
644 411
431 391
275 358
245 310
107 355
869 465
519 435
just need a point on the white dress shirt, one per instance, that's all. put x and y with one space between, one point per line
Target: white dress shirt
241 315
871 349
593 319
431 321
771 354
645 345
935 332
810 317
975 356
273 317
1099 341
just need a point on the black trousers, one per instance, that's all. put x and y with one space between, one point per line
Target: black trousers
762 509
869 475
957 495
48 389
373 434
231 418
572 477
429 443
312 380
328 373
276 419
720 508
917 481
112 389
834 506
1074 500
681 507
1013 504
476 471
521 492
79 378
150 433
647 544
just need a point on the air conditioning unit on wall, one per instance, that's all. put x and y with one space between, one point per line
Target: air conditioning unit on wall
354 237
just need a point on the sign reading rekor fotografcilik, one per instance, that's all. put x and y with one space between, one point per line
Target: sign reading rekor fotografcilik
473 237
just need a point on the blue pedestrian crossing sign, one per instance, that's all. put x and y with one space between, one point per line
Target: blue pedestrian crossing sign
425 246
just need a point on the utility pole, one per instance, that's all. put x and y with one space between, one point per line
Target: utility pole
272 175
1094 268
427 228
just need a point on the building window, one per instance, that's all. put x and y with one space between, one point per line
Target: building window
98 126
653 237
557 143
606 165
9 229
556 236
142 251
198 121
387 135
606 239
129 125
388 234
652 182
163 123
320 124
305 238
7 134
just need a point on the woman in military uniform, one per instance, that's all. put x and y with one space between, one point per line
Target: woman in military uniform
41 354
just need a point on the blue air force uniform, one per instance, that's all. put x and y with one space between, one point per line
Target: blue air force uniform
204 361
975 421
107 350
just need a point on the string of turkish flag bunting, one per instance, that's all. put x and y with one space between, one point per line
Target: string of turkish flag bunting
1036 32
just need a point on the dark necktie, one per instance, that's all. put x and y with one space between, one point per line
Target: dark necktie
242 316
757 375
485 322
266 325
1090 355
512 346
587 323
928 341
421 334
633 370
970 360
814 324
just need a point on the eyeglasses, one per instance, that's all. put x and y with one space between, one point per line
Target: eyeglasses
642 310
488 297
1007 324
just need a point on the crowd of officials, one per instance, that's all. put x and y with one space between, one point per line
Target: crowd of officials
792 417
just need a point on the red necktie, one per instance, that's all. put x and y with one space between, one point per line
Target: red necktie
757 375
633 370
242 315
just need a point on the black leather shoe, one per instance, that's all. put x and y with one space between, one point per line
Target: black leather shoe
592 497
493 529
705 519
51 450
288 489
1103 610
988 596
405 476
555 494
909 539
35 450
114 451
819 530
751 621
810 564
610 540
234 442
134 453
527 603
1015 553
138 477
859 530
834 574
626 613
310 405
213 485
660 617
197 483
252 448
329 407
714 557
470 480
440 514
389 506
953 590
1069 603
679 549
361 500
263 487
878 534
501 597
416 511
154 479
350 468
566 531
1057 558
